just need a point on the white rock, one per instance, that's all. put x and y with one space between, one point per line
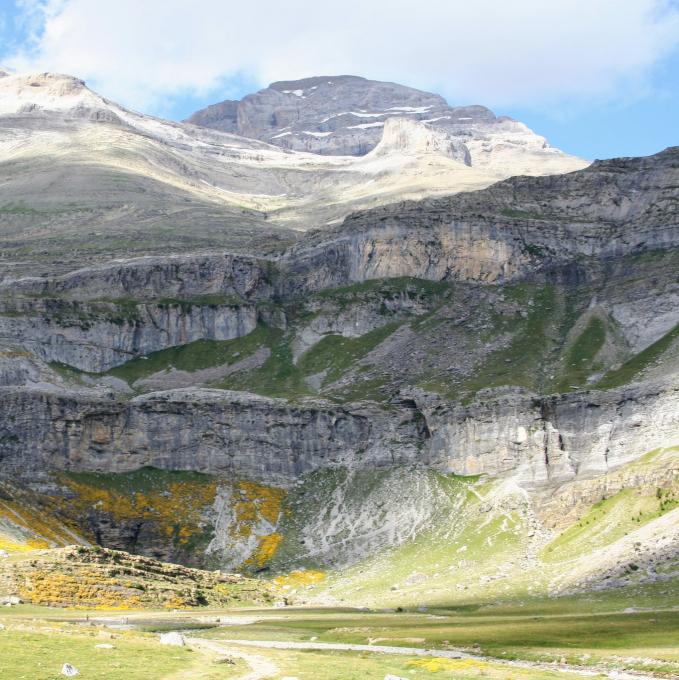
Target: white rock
69 670
103 646
2 627
173 638
394 677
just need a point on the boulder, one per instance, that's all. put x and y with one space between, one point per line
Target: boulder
69 670
172 638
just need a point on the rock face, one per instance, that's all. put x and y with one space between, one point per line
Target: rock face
527 332
551 440
542 440
346 116
98 337
204 430
512 230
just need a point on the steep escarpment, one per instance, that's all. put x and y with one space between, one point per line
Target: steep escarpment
539 439
96 337
446 375
204 430
512 230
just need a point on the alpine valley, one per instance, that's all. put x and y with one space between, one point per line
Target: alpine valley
399 366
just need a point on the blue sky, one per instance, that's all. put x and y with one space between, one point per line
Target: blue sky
598 78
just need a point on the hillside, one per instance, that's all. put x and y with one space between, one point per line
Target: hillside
85 180
346 373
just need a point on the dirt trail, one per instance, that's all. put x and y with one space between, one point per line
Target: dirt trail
421 651
261 667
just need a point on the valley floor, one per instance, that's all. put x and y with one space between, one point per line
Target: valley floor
529 640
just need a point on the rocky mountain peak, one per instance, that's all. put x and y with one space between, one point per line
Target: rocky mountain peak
346 116
332 115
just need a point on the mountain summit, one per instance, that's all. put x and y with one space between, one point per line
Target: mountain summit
346 115
85 161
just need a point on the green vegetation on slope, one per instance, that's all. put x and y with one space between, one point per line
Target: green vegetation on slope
198 355
336 354
387 289
610 519
519 362
579 360
632 368
279 376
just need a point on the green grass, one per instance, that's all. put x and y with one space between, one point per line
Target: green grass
40 655
279 376
142 480
579 361
197 355
341 665
543 631
386 289
213 301
519 362
632 368
609 520
336 354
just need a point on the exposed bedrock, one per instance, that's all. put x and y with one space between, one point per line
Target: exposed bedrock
543 440
242 276
550 439
213 431
96 337
513 229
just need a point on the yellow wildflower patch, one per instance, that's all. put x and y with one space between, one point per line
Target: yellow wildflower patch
13 546
435 664
176 508
34 528
300 578
82 589
253 503
266 549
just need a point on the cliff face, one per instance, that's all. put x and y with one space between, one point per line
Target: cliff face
528 332
551 440
513 230
541 440
210 431
97 337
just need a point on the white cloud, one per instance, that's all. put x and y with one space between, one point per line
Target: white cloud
496 52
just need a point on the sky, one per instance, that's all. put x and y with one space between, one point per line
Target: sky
598 78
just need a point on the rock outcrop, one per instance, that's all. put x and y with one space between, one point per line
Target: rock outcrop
542 440
347 115
97 337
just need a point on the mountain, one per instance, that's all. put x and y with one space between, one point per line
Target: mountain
231 355
346 115
95 172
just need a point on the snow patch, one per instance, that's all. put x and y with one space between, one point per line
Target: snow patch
433 120
358 114
411 109
365 126
282 134
316 134
297 93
